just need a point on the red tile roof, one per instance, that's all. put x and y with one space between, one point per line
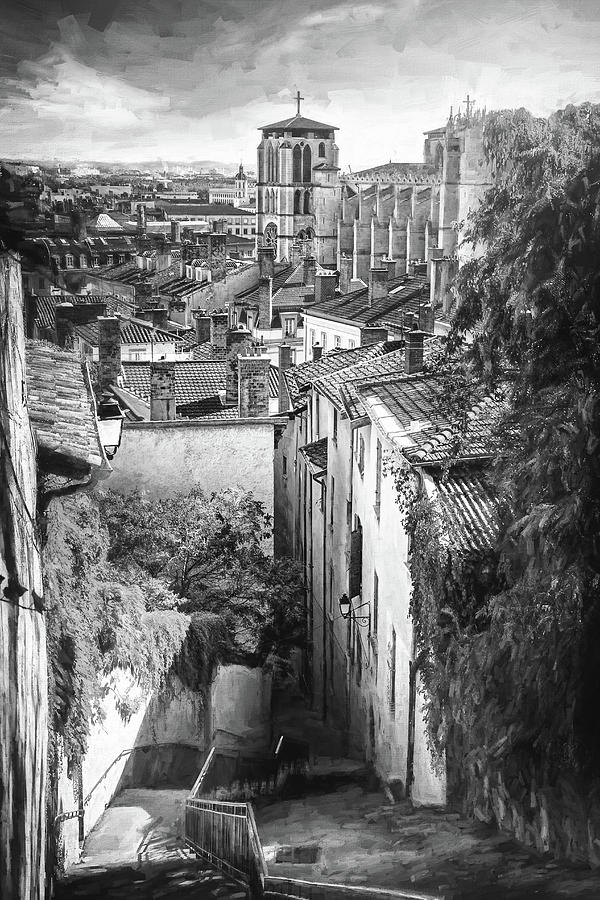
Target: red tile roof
197 387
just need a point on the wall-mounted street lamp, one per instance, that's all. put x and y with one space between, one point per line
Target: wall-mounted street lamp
110 424
348 610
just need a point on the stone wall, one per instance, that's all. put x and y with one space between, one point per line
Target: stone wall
23 679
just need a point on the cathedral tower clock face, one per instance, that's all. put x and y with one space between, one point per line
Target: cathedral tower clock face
270 236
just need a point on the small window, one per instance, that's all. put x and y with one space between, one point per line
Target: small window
337 341
361 454
313 337
321 149
289 326
324 340
334 427
351 344
284 466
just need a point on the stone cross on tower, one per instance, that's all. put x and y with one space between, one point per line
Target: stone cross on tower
470 106
298 99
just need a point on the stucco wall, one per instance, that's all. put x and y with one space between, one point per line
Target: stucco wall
165 458
240 707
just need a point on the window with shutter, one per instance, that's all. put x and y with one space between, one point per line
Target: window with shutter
355 582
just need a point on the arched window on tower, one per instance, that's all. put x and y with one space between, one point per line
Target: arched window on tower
439 157
276 178
297 196
321 149
273 201
269 163
306 202
297 163
306 164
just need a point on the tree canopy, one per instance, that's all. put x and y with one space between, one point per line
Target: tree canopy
523 674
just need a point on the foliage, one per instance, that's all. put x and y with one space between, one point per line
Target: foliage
211 553
518 678
97 622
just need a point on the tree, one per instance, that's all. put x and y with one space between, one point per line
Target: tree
211 553
532 298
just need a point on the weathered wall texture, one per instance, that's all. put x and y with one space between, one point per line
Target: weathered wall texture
23 685
164 458
240 707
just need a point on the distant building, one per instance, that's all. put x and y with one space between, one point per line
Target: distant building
237 192
240 222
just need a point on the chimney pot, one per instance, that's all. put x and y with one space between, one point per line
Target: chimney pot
317 352
265 301
253 385
266 262
372 334
203 324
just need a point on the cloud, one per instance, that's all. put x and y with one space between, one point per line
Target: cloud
195 78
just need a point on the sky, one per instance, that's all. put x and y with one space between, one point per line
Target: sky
178 80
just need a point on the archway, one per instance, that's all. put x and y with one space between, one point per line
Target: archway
297 163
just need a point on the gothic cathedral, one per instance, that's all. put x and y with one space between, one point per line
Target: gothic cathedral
298 189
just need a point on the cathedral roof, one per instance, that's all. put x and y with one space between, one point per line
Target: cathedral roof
298 123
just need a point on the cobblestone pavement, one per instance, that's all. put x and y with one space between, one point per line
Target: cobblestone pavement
363 841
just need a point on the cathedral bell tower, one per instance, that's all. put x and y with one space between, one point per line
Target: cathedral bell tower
298 189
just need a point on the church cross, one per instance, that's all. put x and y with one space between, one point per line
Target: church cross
298 99
470 104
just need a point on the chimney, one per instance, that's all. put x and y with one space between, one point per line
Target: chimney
345 274
324 286
265 301
141 219
378 285
219 226
390 264
413 352
219 326
175 231
427 318
285 363
109 351
159 316
266 262
253 384
203 324
372 334
162 391
63 325
78 225
317 352
309 264
238 342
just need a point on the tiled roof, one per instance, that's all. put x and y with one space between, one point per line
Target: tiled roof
302 376
207 352
470 508
409 410
298 123
202 209
339 386
354 307
250 295
131 333
47 303
197 385
316 454
60 405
